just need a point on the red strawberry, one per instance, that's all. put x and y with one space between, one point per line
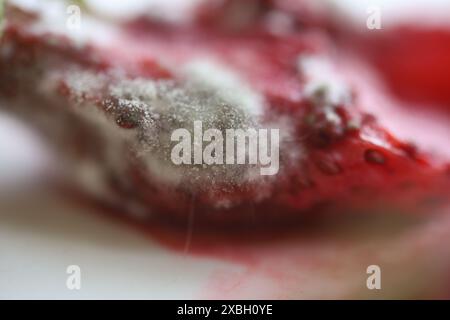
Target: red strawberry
273 16
415 62
110 108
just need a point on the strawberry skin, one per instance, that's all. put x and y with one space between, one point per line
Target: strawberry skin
414 62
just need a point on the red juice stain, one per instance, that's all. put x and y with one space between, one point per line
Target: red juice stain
243 245
269 262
